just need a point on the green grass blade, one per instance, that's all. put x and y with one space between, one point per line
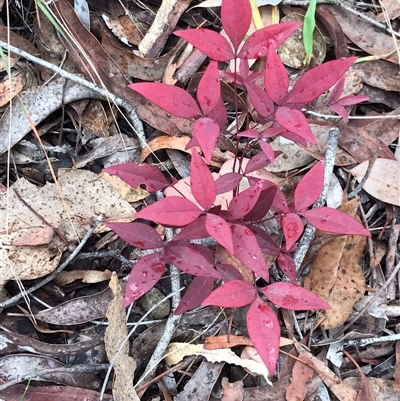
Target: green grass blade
308 30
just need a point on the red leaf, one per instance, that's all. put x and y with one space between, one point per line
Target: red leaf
257 45
191 258
292 228
228 272
211 43
236 19
227 182
279 203
340 110
206 132
263 204
195 230
209 89
248 251
171 98
136 175
219 229
244 203
173 211
202 183
268 151
137 234
249 133
144 276
334 221
294 121
318 80
287 265
257 162
276 79
337 90
219 113
199 289
233 294
264 332
265 242
260 99
294 297
310 187
351 100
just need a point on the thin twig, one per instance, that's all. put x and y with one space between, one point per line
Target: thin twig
131 113
16 298
309 231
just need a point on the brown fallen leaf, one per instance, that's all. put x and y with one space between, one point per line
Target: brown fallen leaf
83 200
40 237
379 74
77 310
232 391
366 36
23 367
10 88
87 276
301 375
341 390
49 393
384 181
14 343
383 390
335 274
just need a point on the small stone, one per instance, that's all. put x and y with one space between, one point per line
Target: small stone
152 297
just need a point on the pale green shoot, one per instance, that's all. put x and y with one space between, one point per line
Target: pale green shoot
308 31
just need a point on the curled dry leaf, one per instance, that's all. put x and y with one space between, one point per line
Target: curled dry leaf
177 351
115 336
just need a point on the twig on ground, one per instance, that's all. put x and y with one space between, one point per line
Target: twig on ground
16 298
126 263
123 104
360 186
309 231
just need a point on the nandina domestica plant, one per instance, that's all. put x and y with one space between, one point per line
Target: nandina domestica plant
274 109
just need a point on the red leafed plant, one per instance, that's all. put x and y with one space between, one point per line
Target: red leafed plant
241 228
